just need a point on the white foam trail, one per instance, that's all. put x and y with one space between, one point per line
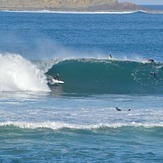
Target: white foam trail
60 125
19 74
133 58
79 12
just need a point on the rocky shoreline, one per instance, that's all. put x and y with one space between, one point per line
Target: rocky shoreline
68 5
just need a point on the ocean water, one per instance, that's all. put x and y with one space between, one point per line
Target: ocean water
77 121
153 7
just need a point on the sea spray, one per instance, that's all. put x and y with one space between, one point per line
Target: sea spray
19 74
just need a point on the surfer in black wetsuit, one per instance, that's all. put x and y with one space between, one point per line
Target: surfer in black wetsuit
151 60
110 57
121 109
56 77
153 74
118 109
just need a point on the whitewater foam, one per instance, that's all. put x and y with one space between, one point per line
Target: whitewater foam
60 125
19 74
79 12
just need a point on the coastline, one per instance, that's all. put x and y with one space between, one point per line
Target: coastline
68 5
85 12
75 7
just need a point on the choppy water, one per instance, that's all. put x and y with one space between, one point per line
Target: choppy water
77 121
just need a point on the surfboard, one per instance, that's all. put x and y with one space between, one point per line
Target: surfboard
57 81
52 81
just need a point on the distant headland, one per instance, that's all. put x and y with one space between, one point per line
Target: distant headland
68 5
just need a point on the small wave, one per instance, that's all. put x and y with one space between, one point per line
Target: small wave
87 12
78 12
140 12
61 125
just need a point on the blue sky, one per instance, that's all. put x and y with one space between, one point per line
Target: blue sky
147 2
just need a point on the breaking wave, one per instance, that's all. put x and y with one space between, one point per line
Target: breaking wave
19 74
101 76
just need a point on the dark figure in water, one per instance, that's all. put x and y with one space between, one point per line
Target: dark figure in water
110 56
121 109
118 109
153 74
56 77
151 60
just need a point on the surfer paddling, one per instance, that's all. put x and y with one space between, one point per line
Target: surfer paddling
121 109
118 109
